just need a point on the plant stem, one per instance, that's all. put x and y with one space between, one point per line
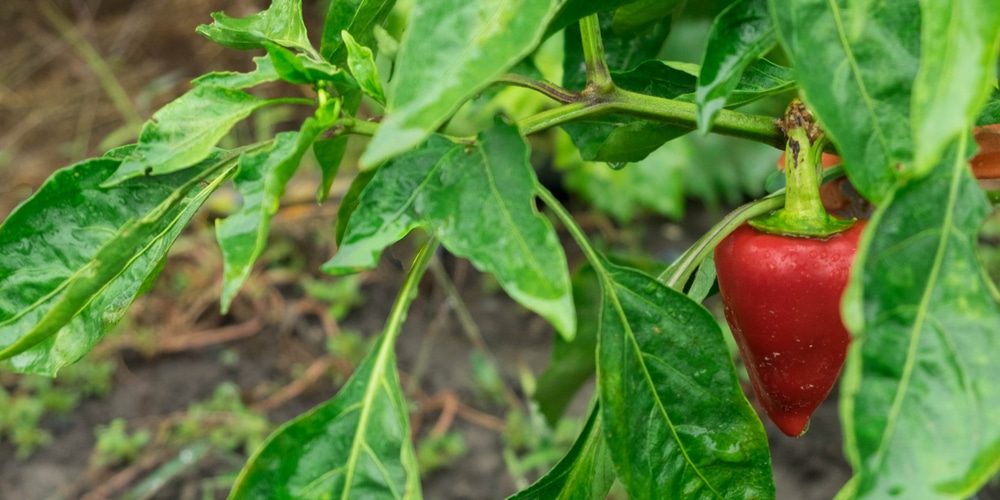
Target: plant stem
680 271
570 224
598 76
548 89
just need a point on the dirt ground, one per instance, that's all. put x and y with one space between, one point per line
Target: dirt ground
55 108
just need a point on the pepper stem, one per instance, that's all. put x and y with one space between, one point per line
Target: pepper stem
803 213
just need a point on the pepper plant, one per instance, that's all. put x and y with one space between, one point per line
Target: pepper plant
895 87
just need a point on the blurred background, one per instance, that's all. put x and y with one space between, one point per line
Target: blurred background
171 403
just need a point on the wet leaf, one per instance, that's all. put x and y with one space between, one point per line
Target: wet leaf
357 17
185 131
479 200
451 50
585 473
356 445
261 182
740 35
280 24
856 63
76 254
955 77
301 69
664 373
919 399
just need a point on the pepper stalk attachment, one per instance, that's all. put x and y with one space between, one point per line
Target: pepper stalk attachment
803 213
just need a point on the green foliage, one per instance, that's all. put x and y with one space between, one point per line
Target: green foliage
437 452
896 87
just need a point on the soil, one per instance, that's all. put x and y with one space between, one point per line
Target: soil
55 110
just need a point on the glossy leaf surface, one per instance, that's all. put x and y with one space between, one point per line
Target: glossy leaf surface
480 202
281 24
451 50
185 131
665 374
301 69
640 14
329 154
920 402
361 61
571 11
357 17
356 445
76 255
855 62
958 64
741 34
585 473
261 182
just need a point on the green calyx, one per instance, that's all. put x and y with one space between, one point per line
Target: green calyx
803 213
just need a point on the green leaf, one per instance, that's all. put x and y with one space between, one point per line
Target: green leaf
619 139
665 375
640 14
741 34
281 24
357 17
261 182
301 69
451 50
855 64
76 255
479 200
990 114
352 198
264 73
572 362
571 11
704 280
185 131
585 473
356 445
919 400
329 153
362 64
958 57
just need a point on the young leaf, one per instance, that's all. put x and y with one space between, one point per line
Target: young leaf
919 400
572 363
281 24
855 67
664 373
451 50
741 34
356 445
76 255
362 64
958 45
358 17
185 131
261 181
585 473
301 69
264 73
479 200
